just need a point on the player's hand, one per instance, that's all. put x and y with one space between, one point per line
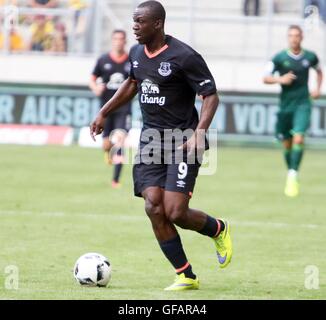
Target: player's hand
97 126
315 94
99 89
287 78
195 145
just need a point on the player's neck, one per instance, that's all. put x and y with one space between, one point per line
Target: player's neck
118 56
117 53
296 51
157 44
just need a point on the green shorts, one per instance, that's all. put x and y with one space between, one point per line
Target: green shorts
290 123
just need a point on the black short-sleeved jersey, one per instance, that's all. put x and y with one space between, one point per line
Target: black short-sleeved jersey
112 72
168 82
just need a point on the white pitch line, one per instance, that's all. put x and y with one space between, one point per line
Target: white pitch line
275 224
72 214
119 217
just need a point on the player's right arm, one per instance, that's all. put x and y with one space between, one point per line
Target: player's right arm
95 85
270 78
97 88
124 94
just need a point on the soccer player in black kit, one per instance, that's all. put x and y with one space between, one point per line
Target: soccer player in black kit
110 71
167 74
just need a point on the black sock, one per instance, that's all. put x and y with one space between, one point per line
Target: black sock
174 252
212 228
118 166
117 172
187 270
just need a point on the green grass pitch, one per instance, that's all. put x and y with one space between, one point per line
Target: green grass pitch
56 204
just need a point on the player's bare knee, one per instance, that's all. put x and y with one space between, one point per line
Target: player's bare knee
152 209
107 145
118 137
177 215
154 206
153 201
298 139
287 144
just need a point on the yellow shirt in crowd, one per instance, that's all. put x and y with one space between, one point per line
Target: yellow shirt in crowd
16 42
8 2
77 4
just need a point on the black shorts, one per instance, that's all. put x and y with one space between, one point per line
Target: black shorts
177 177
118 120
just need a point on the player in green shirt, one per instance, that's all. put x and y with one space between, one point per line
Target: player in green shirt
293 118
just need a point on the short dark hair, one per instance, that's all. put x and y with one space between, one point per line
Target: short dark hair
156 9
295 27
119 31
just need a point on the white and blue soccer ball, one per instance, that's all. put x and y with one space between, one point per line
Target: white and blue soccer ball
93 269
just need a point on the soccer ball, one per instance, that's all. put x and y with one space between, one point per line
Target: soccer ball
92 269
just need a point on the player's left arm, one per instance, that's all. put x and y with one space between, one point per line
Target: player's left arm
208 110
201 80
315 94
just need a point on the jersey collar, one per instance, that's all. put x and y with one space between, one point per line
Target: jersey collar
295 56
120 59
156 53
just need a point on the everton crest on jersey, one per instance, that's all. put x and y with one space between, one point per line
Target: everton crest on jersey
165 69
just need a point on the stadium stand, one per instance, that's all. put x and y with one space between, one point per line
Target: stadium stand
234 45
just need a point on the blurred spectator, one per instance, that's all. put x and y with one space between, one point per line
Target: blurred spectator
276 6
320 4
249 3
43 3
9 14
16 42
8 2
41 34
79 7
59 41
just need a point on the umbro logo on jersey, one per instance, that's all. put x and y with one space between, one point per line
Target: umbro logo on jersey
135 64
165 69
205 82
107 66
181 184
